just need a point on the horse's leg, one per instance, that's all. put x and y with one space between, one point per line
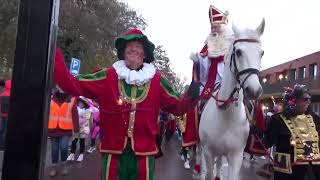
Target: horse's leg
234 163
208 159
197 169
218 167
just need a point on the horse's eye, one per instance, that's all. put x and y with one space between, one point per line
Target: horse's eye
262 53
238 52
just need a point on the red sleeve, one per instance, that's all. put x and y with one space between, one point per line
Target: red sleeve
259 117
84 85
170 101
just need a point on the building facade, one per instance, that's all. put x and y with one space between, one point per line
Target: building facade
304 70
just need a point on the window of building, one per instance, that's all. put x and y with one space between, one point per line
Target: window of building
293 74
316 108
313 70
302 72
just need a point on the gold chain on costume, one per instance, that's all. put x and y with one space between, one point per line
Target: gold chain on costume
133 111
304 137
133 100
128 98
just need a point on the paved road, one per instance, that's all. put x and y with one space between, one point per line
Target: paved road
169 167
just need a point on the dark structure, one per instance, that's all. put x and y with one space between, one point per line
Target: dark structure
25 145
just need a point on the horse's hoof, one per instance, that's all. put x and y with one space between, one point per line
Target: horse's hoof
195 177
197 168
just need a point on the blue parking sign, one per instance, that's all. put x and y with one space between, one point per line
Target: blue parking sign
75 66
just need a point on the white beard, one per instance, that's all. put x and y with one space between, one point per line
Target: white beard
219 45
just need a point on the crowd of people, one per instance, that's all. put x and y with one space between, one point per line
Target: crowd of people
75 118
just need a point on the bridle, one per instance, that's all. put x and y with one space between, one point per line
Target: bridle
248 72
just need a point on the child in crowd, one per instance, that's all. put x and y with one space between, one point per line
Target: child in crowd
95 131
85 119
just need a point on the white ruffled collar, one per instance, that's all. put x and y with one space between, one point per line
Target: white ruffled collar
134 77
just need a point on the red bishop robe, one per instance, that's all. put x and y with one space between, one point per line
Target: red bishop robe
191 133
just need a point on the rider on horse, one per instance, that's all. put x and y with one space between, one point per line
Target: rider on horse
208 67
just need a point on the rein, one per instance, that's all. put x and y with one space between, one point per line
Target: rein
237 74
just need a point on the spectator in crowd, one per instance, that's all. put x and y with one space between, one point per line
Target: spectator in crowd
63 120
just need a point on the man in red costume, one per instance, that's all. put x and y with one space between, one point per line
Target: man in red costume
208 67
130 94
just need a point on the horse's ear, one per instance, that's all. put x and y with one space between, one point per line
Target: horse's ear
260 29
235 29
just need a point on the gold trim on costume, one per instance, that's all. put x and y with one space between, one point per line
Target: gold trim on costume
316 162
108 166
142 153
147 153
145 91
133 111
168 92
132 146
196 118
147 168
277 158
110 151
182 121
114 151
189 143
96 79
303 132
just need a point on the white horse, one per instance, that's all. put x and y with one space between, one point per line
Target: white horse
223 131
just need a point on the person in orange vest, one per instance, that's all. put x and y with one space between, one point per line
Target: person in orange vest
63 122
4 110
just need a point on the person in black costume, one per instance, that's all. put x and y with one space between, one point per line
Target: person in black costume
295 134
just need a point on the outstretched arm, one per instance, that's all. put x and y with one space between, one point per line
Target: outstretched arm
83 85
170 100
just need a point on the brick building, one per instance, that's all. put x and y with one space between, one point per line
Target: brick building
304 70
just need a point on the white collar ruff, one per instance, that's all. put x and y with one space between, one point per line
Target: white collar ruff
134 77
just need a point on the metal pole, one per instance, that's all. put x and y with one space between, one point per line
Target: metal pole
26 137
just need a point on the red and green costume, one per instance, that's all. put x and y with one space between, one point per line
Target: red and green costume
128 114
190 136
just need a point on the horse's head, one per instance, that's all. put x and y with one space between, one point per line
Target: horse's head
245 61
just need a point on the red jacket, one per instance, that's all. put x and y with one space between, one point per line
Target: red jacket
7 88
116 117
5 93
